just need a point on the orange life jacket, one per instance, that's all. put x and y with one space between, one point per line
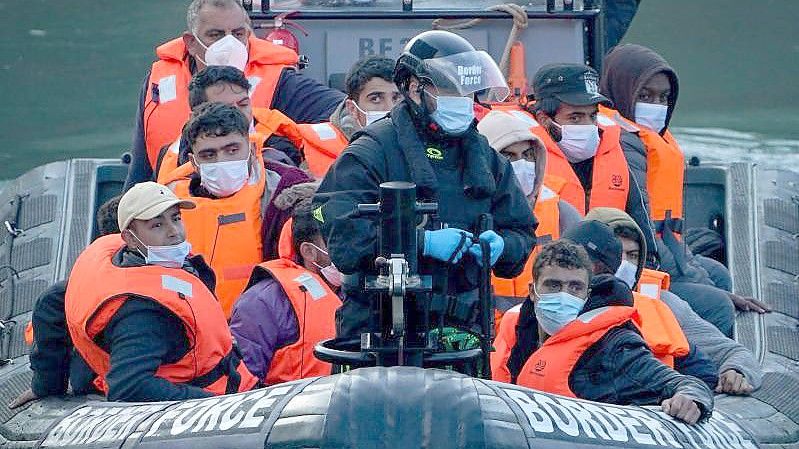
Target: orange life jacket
166 106
227 232
610 180
90 305
323 143
549 368
548 215
665 170
504 342
315 305
268 122
652 282
660 329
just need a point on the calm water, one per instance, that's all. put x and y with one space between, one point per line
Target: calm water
70 71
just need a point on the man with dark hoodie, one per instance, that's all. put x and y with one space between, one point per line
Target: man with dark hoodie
584 342
739 372
644 88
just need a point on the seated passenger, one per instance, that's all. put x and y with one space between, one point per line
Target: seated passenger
577 344
739 372
236 223
371 94
658 326
289 305
644 88
152 330
269 128
53 359
219 33
512 138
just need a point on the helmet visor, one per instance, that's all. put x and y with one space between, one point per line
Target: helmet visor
465 74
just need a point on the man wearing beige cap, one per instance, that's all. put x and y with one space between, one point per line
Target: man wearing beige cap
141 312
512 138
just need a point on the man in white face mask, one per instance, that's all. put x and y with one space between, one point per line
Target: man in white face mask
584 148
142 313
218 33
583 342
289 305
371 94
228 184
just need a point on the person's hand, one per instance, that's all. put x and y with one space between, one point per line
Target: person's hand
447 245
495 243
733 382
26 396
681 407
746 304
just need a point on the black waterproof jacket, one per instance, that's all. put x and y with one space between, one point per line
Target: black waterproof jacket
464 175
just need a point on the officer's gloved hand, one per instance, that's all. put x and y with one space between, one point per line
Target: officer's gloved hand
447 245
495 242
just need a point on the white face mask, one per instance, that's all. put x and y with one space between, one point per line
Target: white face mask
330 272
223 179
626 272
555 310
226 51
653 116
371 116
525 173
578 142
168 256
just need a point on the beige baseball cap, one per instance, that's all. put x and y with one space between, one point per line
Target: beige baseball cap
145 201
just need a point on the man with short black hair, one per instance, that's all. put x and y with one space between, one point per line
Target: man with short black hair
289 305
572 340
583 148
371 93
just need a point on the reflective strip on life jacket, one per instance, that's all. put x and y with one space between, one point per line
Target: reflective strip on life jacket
323 144
610 181
227 232
90 305
652 282
314 304
166 104
549 368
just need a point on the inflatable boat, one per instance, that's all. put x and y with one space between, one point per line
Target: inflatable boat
47 219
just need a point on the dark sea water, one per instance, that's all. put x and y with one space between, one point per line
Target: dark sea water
70 71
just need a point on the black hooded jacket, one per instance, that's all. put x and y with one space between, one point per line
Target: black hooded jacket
464 175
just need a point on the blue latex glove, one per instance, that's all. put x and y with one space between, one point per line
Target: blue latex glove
495 242
446 245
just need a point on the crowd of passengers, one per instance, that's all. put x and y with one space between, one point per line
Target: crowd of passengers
235 248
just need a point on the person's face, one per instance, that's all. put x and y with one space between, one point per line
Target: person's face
567 114
164 230
214 23
211 149
554 279
631 250
431 93
232 95
377 95
314 254
533 152
656 90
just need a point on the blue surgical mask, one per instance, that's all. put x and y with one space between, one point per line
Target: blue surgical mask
556 310
168 256
453 114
